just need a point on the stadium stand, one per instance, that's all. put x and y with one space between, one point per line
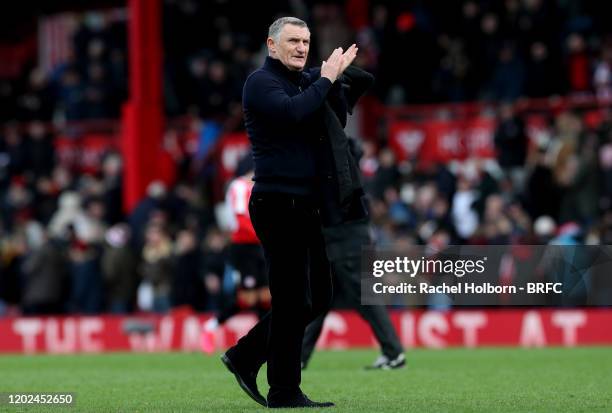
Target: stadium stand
494 127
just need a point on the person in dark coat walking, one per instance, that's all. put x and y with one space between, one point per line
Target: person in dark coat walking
304 178
344 243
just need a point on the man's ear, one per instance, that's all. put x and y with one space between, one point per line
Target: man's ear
271 46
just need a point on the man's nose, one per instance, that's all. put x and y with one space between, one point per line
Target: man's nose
301 48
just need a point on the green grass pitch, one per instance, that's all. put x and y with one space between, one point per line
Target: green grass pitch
453 380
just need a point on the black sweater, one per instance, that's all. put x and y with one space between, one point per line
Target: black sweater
283 113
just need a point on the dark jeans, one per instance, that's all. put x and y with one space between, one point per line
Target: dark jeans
289 229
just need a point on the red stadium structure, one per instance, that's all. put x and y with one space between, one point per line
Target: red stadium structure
143 114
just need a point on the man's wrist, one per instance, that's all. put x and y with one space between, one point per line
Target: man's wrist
325 85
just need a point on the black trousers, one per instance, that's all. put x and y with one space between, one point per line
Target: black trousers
289 228
346 279
344 245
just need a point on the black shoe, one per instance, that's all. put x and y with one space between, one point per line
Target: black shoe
247 380
385 363
298 401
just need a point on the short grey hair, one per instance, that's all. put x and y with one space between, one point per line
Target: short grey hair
277 26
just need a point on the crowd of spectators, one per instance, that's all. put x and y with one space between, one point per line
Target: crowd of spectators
533 192
420 51
89 83
67 246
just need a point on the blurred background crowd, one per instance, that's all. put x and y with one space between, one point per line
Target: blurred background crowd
420 51
67 245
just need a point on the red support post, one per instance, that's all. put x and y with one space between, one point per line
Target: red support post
143 114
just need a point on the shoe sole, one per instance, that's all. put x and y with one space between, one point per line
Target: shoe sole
257 398
314 405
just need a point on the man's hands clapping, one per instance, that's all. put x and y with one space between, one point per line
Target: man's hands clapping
337 62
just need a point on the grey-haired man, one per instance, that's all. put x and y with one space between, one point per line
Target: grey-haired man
304 180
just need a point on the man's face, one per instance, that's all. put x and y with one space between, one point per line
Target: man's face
292 46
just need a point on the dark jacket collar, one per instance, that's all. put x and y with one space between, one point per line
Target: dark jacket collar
279 68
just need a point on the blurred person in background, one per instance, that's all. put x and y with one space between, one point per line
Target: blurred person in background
542 77
45 273
16 205
154 203
85 235
508 78
576 171
439 240
511 144
119 269
542 192
344 246
98 98
157 268
187 287
14 146
69 209
464 217
485 50
71 95
36 102
112 166
569 266
602 75
399 213
386 175
368 164
45 198
495 228
213 270
213 91
382 228
41 152
578 76
13 250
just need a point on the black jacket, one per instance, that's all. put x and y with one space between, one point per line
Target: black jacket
295 123
346 199
282 118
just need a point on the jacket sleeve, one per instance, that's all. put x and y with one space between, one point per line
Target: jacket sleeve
266 95
358 82
336 96
337 101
